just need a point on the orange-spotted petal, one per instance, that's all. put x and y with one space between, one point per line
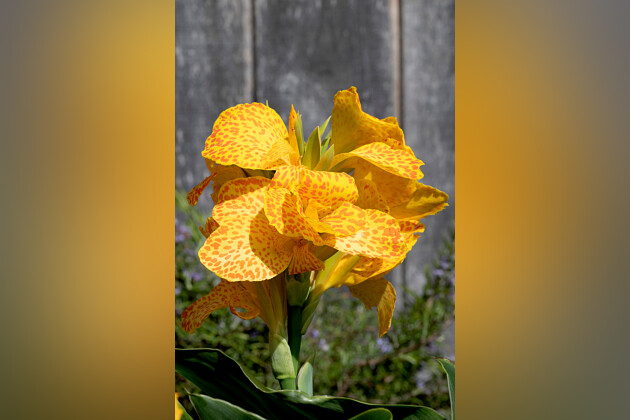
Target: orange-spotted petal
241 199
380 237
284 212
304 260
245 250
351 127
369 196
210 226
193 195
395 161
346 219
244 135
394 189
328 188
222 296
380 294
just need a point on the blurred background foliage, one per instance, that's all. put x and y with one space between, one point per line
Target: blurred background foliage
349 358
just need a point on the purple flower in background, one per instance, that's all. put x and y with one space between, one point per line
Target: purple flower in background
422 377
196 276
437 272
181 232
384 346
178 290
323 344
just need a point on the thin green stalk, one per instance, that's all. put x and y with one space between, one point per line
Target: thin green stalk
295 333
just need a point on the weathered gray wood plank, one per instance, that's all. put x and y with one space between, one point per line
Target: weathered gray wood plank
307 50
213 56
428 97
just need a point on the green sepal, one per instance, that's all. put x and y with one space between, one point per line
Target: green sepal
299 135
312 151
449 369
326 160
323 126
221 377
374 414
305 377
298 287
210 408
281 361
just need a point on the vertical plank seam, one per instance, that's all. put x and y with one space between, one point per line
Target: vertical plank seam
401 117
254 71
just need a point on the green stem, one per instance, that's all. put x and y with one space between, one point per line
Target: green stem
295 333
288 383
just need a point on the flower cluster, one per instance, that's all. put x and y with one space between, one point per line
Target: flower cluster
346 209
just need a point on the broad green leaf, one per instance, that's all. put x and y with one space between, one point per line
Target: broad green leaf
449 368
299 135
374 414
212 409
185 415
220 377
312 151
326 160
305 378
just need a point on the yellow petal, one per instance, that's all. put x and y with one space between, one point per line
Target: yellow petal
211 226
193 195
304 260
245 250
380 237
377 293
224 295
346 219
424 201
328 188
244 135
395 161
284 212
223 175
241 199
393 188
351 127
369 196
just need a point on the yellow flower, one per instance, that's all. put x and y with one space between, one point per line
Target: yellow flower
385 171
272 214
259 229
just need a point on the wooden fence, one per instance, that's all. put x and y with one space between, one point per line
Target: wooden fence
398 53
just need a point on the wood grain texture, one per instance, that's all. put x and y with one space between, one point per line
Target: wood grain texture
307 50
214 71
428 97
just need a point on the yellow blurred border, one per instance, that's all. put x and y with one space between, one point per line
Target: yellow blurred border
88 176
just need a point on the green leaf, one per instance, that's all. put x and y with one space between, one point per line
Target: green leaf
449 368
299 135
185 415
305 378
221 377
212 409
312 151
374 414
